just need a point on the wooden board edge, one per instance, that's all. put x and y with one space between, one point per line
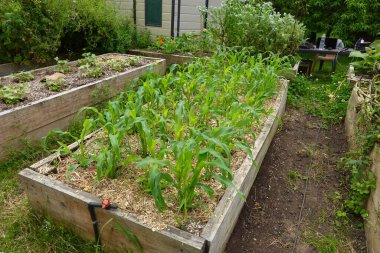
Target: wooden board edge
188 241
247 168
160 68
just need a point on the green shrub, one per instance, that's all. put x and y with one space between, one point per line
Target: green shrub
35 30
370 60
256 24
141 38
186 43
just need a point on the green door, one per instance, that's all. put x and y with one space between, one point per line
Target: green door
153 13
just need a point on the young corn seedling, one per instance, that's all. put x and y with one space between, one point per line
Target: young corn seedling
185 175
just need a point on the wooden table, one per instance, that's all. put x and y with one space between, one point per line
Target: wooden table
318 51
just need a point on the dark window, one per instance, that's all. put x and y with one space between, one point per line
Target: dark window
153 12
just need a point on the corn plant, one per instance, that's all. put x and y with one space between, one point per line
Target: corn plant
189 123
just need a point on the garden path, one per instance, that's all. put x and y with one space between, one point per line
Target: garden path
302 153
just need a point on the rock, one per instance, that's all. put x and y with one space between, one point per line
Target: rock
55 76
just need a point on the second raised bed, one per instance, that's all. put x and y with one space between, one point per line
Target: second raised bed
34 120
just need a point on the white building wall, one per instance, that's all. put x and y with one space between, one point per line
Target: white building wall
166 17
190 19
125 7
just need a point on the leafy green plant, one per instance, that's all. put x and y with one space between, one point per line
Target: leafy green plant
370 60
118 64
186 43
362 182
256 24
36 30
217 101
135 60
89 71
23 76
88 59
55 85
13 94
141 38
89 67
62 66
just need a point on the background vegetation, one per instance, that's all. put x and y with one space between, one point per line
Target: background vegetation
36 30
346 19
254 24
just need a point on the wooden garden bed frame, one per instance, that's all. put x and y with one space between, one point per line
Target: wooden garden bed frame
34 120
372 225
70 207
170 58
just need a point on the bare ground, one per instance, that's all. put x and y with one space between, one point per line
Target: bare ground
302 153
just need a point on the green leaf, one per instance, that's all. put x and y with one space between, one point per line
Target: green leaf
131 236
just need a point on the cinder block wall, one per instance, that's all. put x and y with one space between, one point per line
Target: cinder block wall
125 7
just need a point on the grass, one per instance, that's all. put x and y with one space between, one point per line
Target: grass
322 94
21 230
326 243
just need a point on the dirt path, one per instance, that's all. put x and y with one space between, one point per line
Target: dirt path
301 153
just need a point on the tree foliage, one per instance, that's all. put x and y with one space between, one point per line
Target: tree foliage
346 19
255 24
37 29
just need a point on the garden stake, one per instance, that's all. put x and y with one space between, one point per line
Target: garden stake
105 204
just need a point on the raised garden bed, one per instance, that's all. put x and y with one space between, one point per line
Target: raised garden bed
170 58
71 206
353 130
44 110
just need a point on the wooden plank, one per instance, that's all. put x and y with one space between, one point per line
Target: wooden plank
372 228
70 207
221 224
38 118
170 58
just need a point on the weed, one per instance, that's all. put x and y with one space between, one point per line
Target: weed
13 94
293 176
325 243
361 181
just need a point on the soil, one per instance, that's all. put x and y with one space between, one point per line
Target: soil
301 152
38 90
